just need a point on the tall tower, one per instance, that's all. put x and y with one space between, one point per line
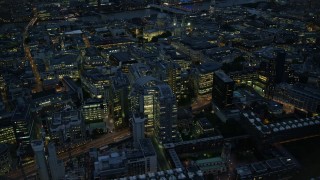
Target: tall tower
222 89
56 166
156 101
175 21
37 146
137 128
212 7
226 151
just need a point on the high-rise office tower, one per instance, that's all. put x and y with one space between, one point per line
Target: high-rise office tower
222 91
138 128
226 151
37 146
118 100
6 160
279 65
56 166
212 7
156 101
276 71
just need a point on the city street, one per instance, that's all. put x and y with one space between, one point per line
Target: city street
28 55
102 141
200 103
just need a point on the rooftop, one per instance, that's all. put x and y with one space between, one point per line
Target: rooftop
274 163
208 67
120 80
63 59
210 160
122 57
147 147
205 124
225 78
3 148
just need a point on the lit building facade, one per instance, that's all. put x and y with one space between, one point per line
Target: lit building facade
156 101
5 159
122 60
223 87
67 126
94 110
6 129
243 77
203 79
56 166
138 129
118 99
91 58
170 72
65 65
38 148
127 163
22 125
137 71
299 96
95 83
50 101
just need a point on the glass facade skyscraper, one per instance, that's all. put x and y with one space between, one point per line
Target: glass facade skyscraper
157 102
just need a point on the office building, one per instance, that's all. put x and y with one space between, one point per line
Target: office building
91 59
66 126
5 159
273 70
226 152
22 125
127 163
279 131
244 77
178 173
96 83
204 127
223 87
7 134
16 91
277 168
156 101
169 72
299 96
118 103
279 67
212 7
94 110
203 79
122 60
138 130
137 71
144 160
49 101
56 166
71 87
214 166
38 148
65 65
110 166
